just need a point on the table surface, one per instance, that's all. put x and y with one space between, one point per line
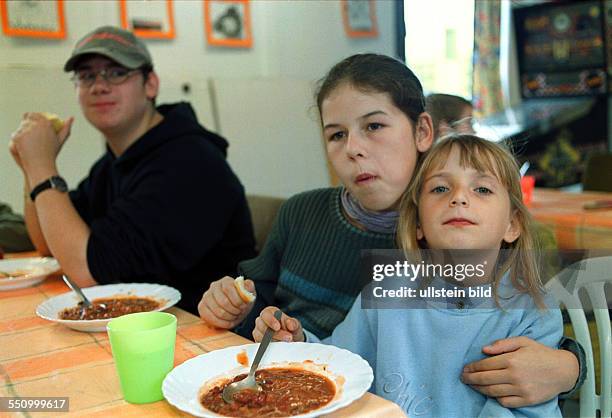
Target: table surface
42 358
574 226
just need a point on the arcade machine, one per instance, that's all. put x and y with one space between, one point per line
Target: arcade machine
608 20
557 55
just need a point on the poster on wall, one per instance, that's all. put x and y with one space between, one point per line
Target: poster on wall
359 17
152 19
33 18
228 23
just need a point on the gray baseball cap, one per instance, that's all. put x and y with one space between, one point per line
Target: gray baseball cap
112 42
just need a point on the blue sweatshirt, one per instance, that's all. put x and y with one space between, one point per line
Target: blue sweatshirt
418 354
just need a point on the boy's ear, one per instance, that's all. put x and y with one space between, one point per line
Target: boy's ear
424 132
152 85
513 231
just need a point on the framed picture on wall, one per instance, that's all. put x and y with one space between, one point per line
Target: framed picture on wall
149 18
228 23
33 18
359 17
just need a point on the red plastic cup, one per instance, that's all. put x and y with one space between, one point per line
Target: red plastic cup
527 186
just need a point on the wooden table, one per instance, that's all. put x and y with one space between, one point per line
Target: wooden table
574 226
42 358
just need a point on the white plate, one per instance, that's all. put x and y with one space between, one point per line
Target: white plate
182 385
51 308
37 267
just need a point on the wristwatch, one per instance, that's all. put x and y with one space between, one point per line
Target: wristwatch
53 182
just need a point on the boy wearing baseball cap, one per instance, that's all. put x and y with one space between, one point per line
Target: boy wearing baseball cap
161 205
117 44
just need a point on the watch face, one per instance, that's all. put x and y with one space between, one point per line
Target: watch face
59 183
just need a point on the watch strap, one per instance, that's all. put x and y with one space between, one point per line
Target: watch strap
53 182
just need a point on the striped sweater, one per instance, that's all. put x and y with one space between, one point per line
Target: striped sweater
311 258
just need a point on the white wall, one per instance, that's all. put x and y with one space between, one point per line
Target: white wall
263 95
281 151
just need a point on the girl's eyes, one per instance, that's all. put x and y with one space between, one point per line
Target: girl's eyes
374 126
483 190
480 190
336 136
439 189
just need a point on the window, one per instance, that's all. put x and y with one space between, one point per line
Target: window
439 44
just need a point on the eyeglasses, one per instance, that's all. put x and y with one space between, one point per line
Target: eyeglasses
112 75
463 125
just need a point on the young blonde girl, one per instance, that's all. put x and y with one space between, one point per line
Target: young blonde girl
465 196
520 255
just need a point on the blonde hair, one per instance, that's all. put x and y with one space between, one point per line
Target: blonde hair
483 156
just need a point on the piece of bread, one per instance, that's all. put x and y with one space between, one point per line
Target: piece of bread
245 295
56 122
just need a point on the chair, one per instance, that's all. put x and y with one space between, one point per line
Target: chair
263 212
597 175
592 275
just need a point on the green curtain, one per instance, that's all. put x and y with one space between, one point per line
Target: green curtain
487 94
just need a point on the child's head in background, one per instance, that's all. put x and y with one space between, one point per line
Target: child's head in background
450 114
467 195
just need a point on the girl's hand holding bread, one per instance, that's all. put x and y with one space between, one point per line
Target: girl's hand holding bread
227 302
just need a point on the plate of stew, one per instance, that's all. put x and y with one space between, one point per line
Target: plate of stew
109 301
298 379
17 273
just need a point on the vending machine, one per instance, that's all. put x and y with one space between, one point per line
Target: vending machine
556 67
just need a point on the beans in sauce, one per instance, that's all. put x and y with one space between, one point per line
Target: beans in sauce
106 308
286 392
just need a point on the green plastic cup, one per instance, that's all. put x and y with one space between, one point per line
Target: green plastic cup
143 349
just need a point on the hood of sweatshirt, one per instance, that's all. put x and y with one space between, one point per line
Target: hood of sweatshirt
179 121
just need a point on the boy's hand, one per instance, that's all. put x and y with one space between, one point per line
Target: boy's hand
36 144
522 372
288 329
222 306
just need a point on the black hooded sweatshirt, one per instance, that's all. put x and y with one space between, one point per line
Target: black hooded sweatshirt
169 210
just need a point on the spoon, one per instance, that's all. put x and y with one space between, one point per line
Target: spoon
249 382
86 302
